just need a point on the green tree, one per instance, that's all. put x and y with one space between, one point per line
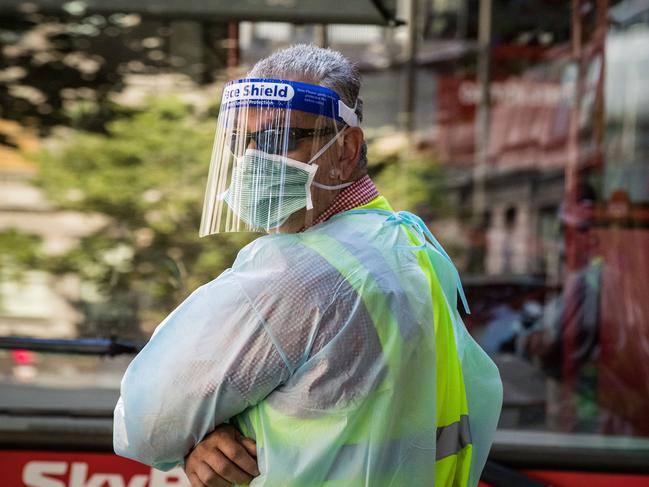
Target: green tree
146 175
20 252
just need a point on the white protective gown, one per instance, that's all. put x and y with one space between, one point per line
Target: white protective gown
283 330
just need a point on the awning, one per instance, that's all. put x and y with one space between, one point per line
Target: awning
377 12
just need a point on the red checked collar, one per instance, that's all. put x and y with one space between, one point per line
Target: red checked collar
360 193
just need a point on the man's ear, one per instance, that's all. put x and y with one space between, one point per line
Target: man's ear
351 150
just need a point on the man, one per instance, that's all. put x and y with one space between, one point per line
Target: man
332 352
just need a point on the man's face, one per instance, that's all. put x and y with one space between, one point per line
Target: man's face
303 149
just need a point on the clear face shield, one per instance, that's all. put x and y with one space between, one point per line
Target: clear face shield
275 157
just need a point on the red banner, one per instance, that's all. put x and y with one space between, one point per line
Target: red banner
73 469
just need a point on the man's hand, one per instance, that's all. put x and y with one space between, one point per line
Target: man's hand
224 457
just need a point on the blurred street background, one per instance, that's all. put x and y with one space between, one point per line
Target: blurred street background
518 129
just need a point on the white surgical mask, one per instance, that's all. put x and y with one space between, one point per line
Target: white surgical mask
266 189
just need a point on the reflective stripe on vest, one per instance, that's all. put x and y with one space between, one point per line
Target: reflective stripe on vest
453 438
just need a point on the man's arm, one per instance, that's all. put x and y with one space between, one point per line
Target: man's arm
208 361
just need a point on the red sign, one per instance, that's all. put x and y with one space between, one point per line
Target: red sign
73 469
528 122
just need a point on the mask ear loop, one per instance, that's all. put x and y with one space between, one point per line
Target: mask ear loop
332 188
310 182
348 115
326 146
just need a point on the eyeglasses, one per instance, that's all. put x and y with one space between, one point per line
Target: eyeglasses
275 141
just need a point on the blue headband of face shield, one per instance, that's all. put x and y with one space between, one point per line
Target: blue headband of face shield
294 95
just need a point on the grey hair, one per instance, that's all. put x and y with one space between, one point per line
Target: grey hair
324 67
